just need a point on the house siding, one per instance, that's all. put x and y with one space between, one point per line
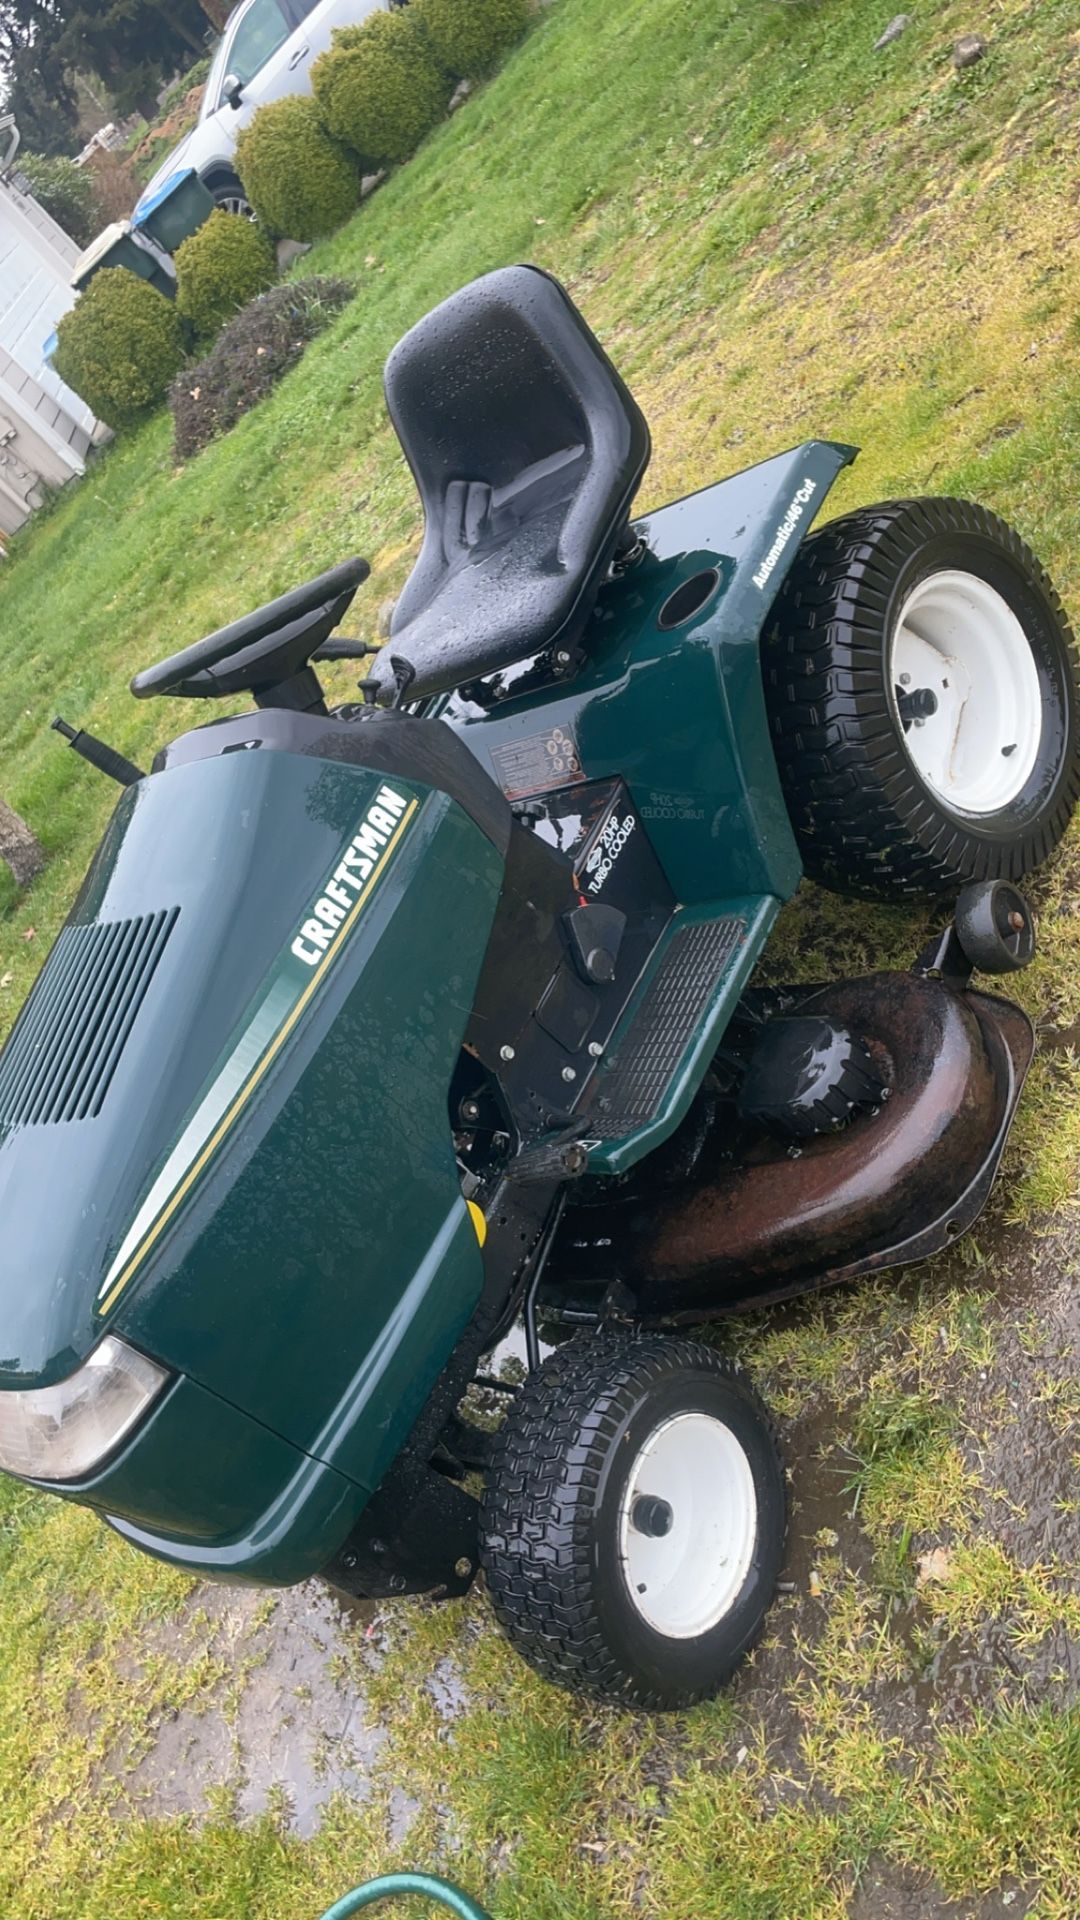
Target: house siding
46 430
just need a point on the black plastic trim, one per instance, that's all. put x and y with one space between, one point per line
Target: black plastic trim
387 741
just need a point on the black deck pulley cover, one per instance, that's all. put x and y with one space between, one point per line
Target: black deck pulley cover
807 1075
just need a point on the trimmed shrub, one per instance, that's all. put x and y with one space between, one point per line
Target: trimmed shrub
220 267
380 87
120 345
64 190
252 352
470 36
301 183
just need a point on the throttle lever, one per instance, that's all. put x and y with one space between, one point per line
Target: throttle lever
105 759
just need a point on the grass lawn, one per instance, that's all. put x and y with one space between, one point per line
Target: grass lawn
777 233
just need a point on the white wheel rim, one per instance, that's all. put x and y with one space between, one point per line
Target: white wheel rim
683 1581
958 640
236 203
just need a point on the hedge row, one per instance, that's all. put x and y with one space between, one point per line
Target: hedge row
378 90
251 353
129 349
123 341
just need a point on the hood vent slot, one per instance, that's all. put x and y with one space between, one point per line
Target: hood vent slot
67 1043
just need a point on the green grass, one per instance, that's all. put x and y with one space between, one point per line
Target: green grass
776 233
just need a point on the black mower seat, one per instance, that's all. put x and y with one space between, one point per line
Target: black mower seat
527 450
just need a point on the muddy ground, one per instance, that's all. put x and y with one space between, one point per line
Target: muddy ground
292 1726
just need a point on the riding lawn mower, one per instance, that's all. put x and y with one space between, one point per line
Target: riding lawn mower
377 1029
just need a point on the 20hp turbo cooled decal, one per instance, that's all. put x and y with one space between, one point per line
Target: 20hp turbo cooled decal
603 855
300 971
800 500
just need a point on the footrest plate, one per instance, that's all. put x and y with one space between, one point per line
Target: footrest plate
654 1063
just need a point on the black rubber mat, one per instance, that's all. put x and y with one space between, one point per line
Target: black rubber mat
631 1091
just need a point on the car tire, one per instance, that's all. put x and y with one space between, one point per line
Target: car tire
913 762
634 1520
229 195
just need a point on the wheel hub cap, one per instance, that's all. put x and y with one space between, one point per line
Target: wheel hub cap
687 1525
967 692
651 1516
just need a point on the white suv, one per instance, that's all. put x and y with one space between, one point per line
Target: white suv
266 51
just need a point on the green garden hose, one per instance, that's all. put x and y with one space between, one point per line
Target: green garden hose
392 1886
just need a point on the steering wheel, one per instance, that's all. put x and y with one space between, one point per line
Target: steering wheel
265 649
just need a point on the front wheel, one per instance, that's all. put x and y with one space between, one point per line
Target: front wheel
924 700
634 1519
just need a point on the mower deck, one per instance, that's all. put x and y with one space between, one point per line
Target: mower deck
758 1219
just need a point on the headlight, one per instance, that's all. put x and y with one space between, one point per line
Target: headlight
64 1432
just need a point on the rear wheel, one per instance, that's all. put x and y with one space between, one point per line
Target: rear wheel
924 700
634 1519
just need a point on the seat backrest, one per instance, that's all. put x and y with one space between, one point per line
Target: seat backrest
527 450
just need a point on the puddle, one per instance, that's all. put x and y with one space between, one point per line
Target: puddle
447 1690
402 1816
513 1348
288 1737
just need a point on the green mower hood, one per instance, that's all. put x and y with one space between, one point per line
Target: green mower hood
244 1025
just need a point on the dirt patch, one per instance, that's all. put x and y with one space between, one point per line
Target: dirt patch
172 129
885 1894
